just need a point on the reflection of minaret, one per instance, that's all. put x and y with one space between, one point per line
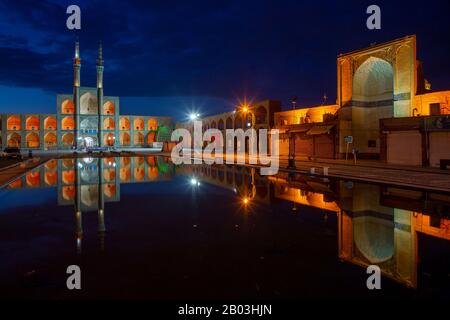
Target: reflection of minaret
76 89
78 213
100 93
101 206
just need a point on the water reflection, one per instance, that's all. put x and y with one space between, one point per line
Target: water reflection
379 225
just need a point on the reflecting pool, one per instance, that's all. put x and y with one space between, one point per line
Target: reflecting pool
140 227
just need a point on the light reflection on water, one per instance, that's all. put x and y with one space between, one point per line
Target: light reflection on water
371 224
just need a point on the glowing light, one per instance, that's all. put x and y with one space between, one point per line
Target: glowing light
245 200
195 182
193 116
245 109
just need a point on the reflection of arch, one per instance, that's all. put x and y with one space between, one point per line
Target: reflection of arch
68 163
124 123
124 139
33 179
50 123
108 139
88 104
138 161
68 176
138 138
152 124
32 140
67 107
152 173
67 139
68 192
14 140
32 123
109 174
150 137
15 184
374 238
261 115
50 165
125 174
50 139
151 161
373 81
110 190
51 178
221 125
13 123
89 195
108 124
125 161
139 174
109 107
138 124
67 123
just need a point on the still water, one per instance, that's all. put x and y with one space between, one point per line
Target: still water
140 227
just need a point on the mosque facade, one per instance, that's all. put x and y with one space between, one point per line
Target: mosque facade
84 118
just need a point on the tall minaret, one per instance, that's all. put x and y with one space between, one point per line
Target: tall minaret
78 213
76 89
100 94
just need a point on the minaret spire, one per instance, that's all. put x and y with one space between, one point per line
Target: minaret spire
100 68
76 89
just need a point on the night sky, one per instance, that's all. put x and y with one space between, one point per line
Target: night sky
170 57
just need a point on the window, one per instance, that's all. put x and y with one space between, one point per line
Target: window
435 109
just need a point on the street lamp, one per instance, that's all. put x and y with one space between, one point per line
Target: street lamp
193 116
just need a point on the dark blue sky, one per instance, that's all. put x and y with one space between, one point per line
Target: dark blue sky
167 57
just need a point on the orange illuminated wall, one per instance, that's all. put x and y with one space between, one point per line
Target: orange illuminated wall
13 123
32 123
305 115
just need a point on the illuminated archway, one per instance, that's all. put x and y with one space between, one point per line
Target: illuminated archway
50 123
32 140
108 139
138 124
110 190
13 123
152 124
52 164
125 139
109 174
67 107
109 108
138 139
14 140
50 140
213 125
67 123
108 124
88 104
124 123
372 99
67 139
238 122
150 137
32 123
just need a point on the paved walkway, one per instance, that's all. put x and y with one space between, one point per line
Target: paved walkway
432 179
